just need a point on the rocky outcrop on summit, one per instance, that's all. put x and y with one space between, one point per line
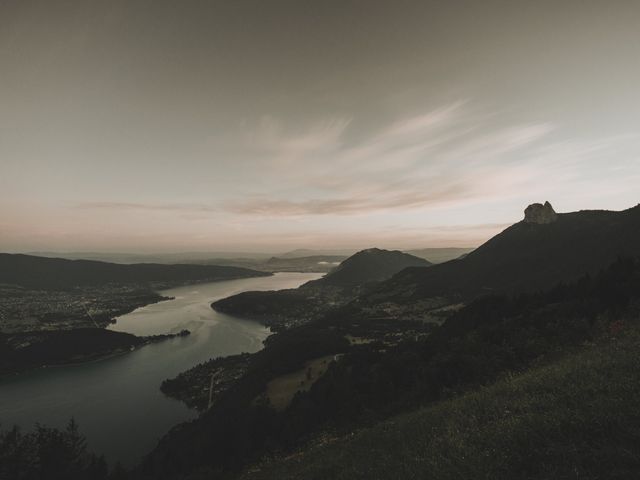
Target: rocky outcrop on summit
539 213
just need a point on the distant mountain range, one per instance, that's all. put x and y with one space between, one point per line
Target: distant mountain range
288 261
164 258
314 263
308 252
56 273
433 255
439 255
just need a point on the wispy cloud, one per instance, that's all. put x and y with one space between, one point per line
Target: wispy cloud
448 157
142 207
340 206
442 156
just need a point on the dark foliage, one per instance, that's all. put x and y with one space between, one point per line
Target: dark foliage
49 454
237 427
61 346
489 337
258 304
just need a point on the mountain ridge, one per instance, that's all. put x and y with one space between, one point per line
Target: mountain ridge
525 256
370 265
45 272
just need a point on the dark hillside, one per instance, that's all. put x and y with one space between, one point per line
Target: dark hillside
56 273
527 256
491 337
371 265
575 418
34 349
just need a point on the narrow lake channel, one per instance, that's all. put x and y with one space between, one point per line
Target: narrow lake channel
117 401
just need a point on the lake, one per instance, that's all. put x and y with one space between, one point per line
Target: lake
117 401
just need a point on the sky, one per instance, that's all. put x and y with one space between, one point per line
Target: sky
192 125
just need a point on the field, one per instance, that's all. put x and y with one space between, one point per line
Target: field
281 390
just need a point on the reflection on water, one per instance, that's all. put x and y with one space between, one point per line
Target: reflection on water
117 401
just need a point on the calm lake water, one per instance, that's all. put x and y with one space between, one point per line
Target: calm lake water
117 401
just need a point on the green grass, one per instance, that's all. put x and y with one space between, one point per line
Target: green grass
577 418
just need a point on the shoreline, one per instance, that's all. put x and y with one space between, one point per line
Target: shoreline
98 357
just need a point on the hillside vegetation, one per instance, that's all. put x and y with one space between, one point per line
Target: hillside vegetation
578 417
489 338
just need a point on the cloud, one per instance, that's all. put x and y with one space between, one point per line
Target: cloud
452 156
425 122
438 157
142 207
391 200
270 139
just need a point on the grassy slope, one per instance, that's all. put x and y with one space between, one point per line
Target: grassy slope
576 418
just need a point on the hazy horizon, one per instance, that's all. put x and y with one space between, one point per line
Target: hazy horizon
252 126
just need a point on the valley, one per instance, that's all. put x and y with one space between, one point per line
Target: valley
382 335
317 240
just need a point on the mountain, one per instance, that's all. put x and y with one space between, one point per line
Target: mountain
285 308
307 252
56 273
433 255
206 258
314 263
539 251
371 265
439 255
